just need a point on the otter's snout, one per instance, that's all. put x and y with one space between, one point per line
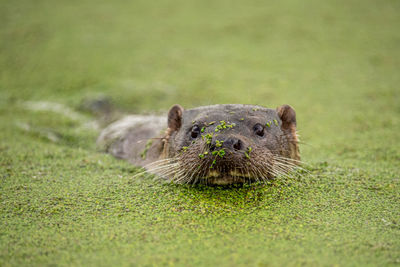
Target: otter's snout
230 143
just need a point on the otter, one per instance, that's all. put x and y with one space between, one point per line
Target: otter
214 145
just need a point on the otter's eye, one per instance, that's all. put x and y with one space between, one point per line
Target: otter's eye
195 131
258 129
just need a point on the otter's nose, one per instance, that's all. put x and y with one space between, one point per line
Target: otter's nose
233 143
229 143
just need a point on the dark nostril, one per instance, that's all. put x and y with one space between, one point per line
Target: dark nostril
237 144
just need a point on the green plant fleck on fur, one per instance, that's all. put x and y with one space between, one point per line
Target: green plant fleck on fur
149 142
247 153
208 137
223 125
218 143
221 153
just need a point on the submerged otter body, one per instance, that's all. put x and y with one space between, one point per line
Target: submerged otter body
219 144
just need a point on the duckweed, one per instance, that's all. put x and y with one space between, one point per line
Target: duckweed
149 142
64 203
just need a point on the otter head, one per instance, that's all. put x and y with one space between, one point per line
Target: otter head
225 144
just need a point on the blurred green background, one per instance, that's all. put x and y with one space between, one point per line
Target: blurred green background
336 62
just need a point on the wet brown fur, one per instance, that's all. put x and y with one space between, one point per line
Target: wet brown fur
167 158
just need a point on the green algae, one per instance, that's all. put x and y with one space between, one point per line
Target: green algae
63 203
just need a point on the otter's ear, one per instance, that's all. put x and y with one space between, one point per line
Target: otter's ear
175 118
288 116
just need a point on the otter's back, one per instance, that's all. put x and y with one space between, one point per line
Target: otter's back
129 137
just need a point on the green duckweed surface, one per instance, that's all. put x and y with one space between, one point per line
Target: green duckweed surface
64 203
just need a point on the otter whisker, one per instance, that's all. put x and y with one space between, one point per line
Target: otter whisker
158 162
198 174
178 176
248 171
191 171
184 176
258 176
166 169
289 160
268 169
263 175
161 168
194 172
167 172
295 161
283 172
149 170
285 167
290 165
